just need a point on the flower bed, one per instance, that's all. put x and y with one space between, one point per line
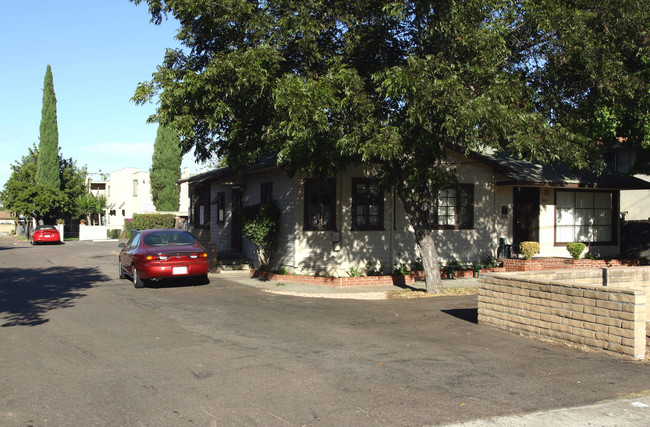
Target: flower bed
392 279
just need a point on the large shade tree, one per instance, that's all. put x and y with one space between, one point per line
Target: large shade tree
398 84
23 195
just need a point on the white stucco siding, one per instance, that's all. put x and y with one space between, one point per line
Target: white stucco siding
473 245
335 252
635 204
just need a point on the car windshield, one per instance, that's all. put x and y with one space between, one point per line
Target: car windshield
169 238
45 227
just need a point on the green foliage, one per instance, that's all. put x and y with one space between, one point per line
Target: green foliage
86 205
113 234
166 170
48 167
401 269
282 270
398 84
529 249
575 249
261 225
24 196
354 272
147 221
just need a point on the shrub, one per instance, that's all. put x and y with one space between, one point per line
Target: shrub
529 249
575 249
373 270
147 221
113 234
401 269
261 225
354 272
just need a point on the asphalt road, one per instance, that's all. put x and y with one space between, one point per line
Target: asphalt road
80 347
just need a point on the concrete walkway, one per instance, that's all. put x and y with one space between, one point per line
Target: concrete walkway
327 291
622 413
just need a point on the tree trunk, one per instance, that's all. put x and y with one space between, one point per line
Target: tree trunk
429 254
418 215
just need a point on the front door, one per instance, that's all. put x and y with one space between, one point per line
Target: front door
526 215
235 232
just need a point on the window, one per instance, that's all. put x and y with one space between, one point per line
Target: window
266 195
367 205
454 208
585 216
320 204
135 187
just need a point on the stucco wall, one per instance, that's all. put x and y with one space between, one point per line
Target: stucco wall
334 252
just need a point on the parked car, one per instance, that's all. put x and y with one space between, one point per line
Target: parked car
45 234
162 253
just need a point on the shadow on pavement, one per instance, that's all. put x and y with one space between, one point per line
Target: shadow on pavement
26 295
176 283
466 314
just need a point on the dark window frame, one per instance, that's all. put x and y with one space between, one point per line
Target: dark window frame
463 209
322 189
367 201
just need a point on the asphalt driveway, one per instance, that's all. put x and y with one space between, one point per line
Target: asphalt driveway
80 346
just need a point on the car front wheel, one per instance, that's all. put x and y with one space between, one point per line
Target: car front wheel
137 281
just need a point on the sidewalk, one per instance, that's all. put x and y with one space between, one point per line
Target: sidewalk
619 413
326 291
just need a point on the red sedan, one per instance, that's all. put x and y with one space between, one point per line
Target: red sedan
45 234
162 253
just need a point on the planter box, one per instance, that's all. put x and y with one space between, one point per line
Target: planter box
564 263
391 280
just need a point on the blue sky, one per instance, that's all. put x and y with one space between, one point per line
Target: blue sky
99 50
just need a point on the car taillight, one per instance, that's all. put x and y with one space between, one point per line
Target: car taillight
156 257
201 255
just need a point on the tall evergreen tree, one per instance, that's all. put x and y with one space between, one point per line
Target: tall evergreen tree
48 167
165 170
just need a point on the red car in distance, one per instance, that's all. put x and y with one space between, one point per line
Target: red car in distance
45 234
162 253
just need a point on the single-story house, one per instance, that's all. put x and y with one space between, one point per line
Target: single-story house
346 221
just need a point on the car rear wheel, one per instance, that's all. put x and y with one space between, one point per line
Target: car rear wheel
121 270
137 281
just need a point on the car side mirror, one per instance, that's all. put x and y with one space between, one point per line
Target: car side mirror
121 245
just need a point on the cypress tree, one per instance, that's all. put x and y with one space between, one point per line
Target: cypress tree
165 170
48 167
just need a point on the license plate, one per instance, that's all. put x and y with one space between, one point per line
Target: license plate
179 270
46 235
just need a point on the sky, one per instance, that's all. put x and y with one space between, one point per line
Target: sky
99 51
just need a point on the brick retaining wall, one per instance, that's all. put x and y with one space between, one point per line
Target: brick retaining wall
562 307
395 279
514 264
